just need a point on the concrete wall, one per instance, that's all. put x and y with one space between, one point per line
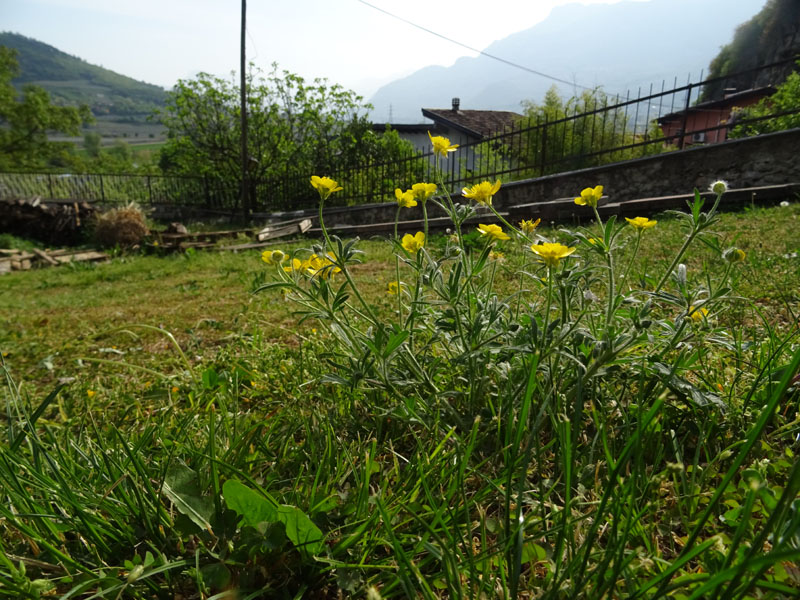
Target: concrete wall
759 161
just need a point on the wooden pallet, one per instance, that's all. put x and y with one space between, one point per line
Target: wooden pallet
19 260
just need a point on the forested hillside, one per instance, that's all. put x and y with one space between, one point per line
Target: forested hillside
771 35
71 80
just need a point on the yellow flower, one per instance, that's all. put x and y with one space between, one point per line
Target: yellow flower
423 191
482 193
590 196
325 186
498 256
324 266
698 314
175 389
413 243
297 265
641 222
551 253
91 394
528 227
273 257
593 241
493 232
392 288
441 145
405 199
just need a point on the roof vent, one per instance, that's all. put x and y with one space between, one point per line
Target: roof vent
456 104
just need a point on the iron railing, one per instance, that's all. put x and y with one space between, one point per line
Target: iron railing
597 130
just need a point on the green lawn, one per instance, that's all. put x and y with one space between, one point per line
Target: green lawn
170 433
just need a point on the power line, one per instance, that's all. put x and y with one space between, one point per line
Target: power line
481 52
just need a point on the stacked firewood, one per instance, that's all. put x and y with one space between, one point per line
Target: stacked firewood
51 222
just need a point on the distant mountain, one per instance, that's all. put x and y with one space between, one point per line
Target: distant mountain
72 81
619 46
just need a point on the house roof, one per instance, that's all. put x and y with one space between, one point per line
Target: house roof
476 123
409 128
728 101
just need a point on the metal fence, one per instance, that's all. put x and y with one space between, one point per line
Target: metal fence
597 129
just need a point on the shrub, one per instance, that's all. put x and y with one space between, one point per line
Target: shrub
124 227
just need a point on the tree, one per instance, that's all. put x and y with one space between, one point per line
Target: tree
26 120
295 129
771 35
582 131
785 102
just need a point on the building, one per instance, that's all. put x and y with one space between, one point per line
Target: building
709 122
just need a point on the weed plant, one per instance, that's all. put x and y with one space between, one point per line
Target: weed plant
528 417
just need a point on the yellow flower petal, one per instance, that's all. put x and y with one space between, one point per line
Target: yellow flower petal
413 243
441 145
494 232
641 222
482 192
590 196
551 253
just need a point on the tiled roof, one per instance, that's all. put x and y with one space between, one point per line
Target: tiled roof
477 123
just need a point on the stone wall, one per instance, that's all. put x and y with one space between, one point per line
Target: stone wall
759 161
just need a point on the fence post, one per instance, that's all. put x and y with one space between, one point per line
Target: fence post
102 190
544 147
50 185
685 117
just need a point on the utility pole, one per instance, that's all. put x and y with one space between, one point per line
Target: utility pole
245 195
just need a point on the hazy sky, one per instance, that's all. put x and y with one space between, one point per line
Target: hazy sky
350 43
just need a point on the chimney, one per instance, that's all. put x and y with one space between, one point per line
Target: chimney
456 104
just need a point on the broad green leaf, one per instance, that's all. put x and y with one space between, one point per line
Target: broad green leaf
255 508
182 488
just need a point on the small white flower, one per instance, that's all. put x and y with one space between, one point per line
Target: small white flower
785 203
719 187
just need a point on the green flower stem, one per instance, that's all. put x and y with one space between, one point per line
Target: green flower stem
633 257
698 227
397 269
677 259
506 223
344 268
546 322
424 220
610 263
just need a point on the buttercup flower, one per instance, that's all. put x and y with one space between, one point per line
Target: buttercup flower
392 288
593 241
528 227
590 196
405 199
498 256
273 257
325 186
698 314
551 253
482 192
302 266
641 222
324 266
91 394
493 232
441 145
423 191
719 187
413 243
